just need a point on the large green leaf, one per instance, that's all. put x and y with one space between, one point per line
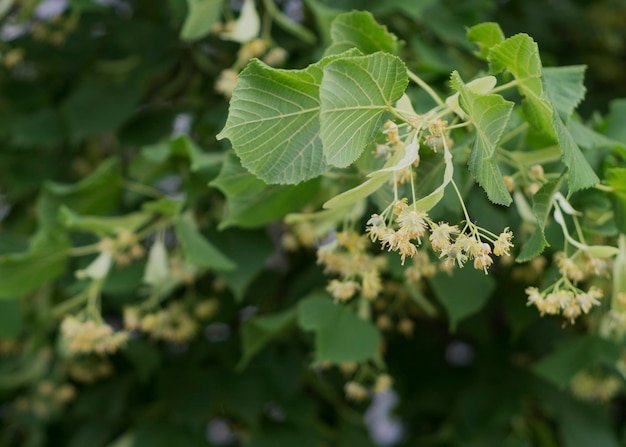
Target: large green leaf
340 336
251 203
273 122
616 125
202 15
355 93
45 260
462 293
358 29
257 332
490 114
580 353
197 249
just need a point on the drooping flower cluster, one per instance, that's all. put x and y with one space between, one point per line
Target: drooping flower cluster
565 299
454 246
590 387
358 270
174 323
90 337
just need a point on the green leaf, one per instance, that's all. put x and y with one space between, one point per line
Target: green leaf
273 122
257 332
358 29
45 260
250 250
198 250
462 293
199 160
143 355
581 175
340 336
45 127
251 203
616 125
202 15
98 107
543 201
576 355
11 319
616 178
485 35
355 93
359 192
98 193
520 56
564 88
490 114
103 225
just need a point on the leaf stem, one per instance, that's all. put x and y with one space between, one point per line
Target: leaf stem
506 86
419 81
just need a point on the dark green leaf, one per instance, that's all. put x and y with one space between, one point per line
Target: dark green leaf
198 250
340 336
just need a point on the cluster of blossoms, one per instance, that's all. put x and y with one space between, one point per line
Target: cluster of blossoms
46 399
90 337
589 387
359 271
455 246
124 248
173 324
89 369
564 297
358 392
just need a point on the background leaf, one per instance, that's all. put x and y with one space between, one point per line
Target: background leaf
358 29
340 336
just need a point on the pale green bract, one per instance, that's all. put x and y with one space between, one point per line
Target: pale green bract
489 114
202 16
355 93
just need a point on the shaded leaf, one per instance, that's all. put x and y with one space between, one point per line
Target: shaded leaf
564 88
576 355
197 249
462 293
340 336
485 35
257 332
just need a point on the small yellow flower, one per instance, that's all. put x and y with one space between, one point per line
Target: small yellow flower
342 290
440 235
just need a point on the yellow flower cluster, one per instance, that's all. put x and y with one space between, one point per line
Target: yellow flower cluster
580 266
565 299
124 248
359 271
90 369
357 392
46 399
455 246
174 323
588 387
90 337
